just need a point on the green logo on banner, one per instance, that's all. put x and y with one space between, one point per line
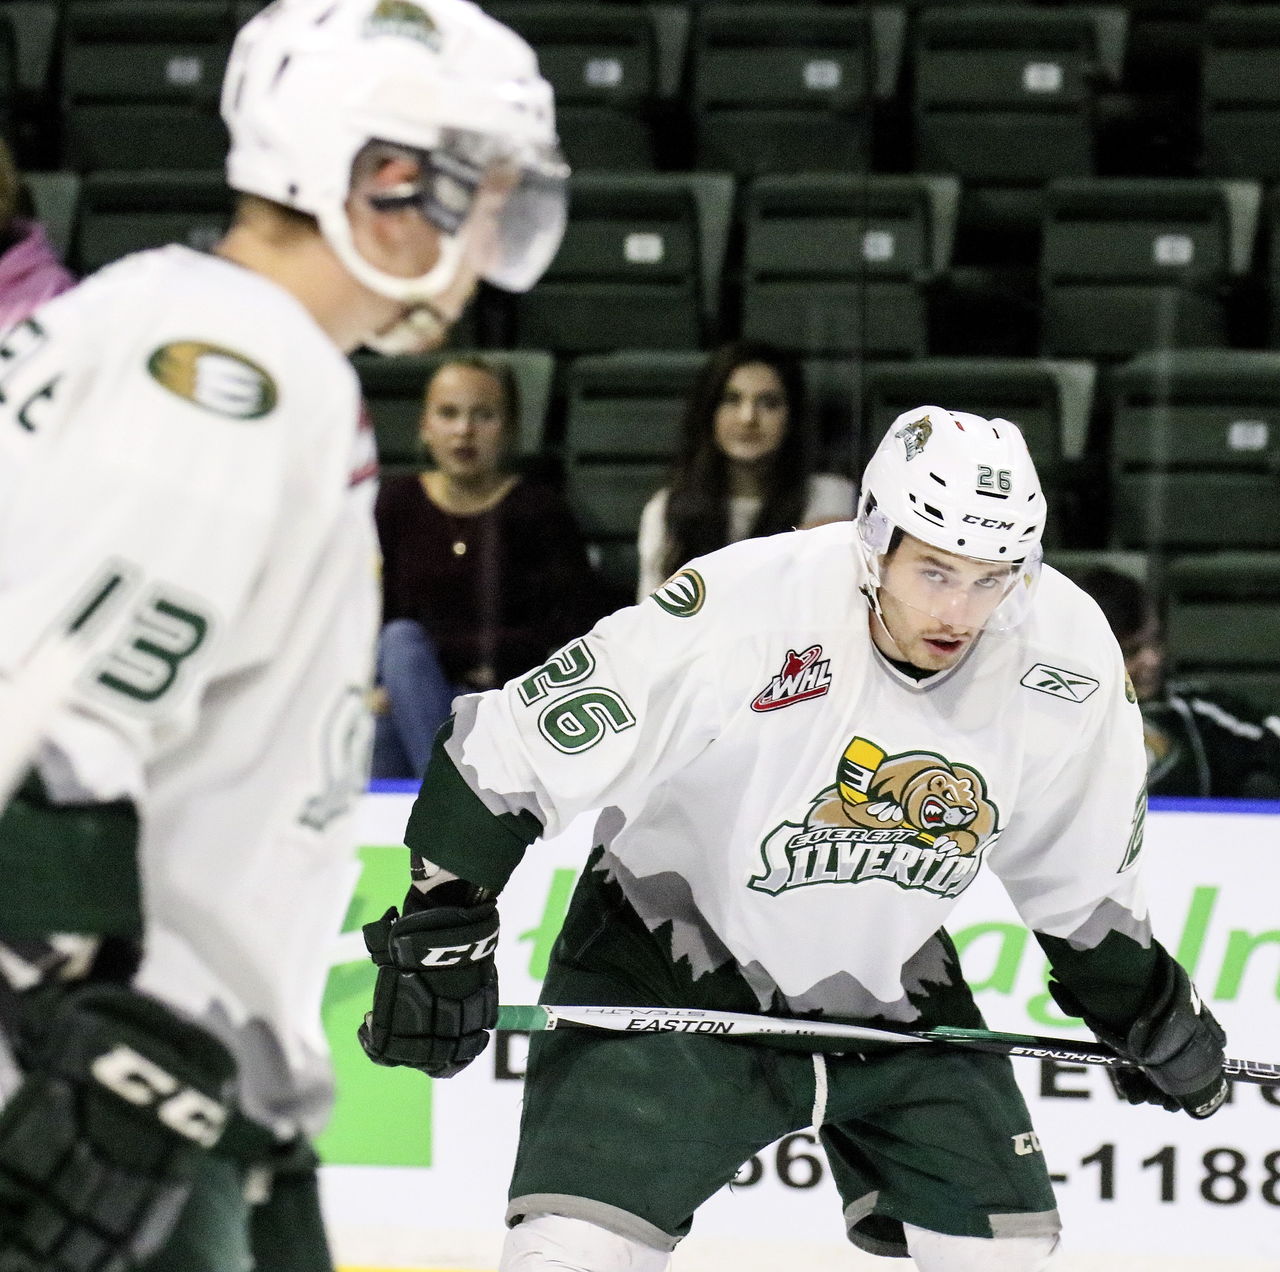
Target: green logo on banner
382 1116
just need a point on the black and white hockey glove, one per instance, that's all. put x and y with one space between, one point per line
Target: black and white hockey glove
436 995
120 1100
1176 1041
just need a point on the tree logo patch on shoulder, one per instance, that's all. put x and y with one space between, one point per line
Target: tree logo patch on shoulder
683 594
214 378
404 18
1058 683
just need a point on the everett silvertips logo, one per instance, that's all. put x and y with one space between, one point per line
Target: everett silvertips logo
915 436
803 676
915 819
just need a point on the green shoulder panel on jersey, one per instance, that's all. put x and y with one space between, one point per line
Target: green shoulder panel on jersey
68 868
450 826
214 378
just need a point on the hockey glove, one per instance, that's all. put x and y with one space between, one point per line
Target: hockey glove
1176 1041
119 1102
436 995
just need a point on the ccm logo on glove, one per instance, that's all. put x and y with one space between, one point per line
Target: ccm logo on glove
142 1082
453 955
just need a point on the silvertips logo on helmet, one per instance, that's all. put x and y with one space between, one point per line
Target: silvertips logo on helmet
403 18
915 436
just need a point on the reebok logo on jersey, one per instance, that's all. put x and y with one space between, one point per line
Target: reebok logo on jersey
1058 683
803 676
219 380
683 594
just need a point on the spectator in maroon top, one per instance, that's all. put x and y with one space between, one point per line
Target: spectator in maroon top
484 570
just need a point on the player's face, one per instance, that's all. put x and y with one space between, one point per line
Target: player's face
751 418
934 603
464 422
1144 658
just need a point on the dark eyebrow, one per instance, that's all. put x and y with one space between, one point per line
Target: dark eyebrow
930 559
997 567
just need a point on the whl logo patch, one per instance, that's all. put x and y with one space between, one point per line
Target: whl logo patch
803 676
1058 683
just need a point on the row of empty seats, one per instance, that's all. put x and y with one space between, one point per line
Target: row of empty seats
820 263
1005 96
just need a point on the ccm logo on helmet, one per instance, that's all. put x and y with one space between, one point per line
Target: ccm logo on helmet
452 955
987 523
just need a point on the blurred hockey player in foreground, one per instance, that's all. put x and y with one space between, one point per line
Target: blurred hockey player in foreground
186 503
804 748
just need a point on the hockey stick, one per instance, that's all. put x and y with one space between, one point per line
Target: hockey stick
535 1019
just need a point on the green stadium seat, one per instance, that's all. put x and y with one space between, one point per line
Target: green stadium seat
790 87
1223 619
140 83
1129 264
1050 400
833 403
1076 562
123 212
1268 273
394 388
1005 98
26 64
838 264
1240 91
622 422
8 76
606 65
1195 450
639 267
55 199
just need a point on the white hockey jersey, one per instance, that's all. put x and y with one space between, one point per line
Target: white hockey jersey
784 799
183 424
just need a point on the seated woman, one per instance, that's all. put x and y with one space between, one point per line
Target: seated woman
743 466
484 571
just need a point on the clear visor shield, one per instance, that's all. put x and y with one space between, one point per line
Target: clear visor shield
934 603
507 214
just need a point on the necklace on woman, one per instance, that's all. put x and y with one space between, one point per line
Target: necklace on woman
461 507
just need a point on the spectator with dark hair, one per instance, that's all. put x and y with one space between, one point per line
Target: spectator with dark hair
743 469
484 571
30 271
1199 741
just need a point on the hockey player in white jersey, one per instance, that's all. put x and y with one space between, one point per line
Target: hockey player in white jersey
187 485
804 748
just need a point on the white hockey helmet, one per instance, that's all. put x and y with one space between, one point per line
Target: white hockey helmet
961 483
311 82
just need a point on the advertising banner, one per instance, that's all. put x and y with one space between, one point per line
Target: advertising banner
1129 1180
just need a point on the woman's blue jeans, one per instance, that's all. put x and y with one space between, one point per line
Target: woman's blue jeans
420 695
